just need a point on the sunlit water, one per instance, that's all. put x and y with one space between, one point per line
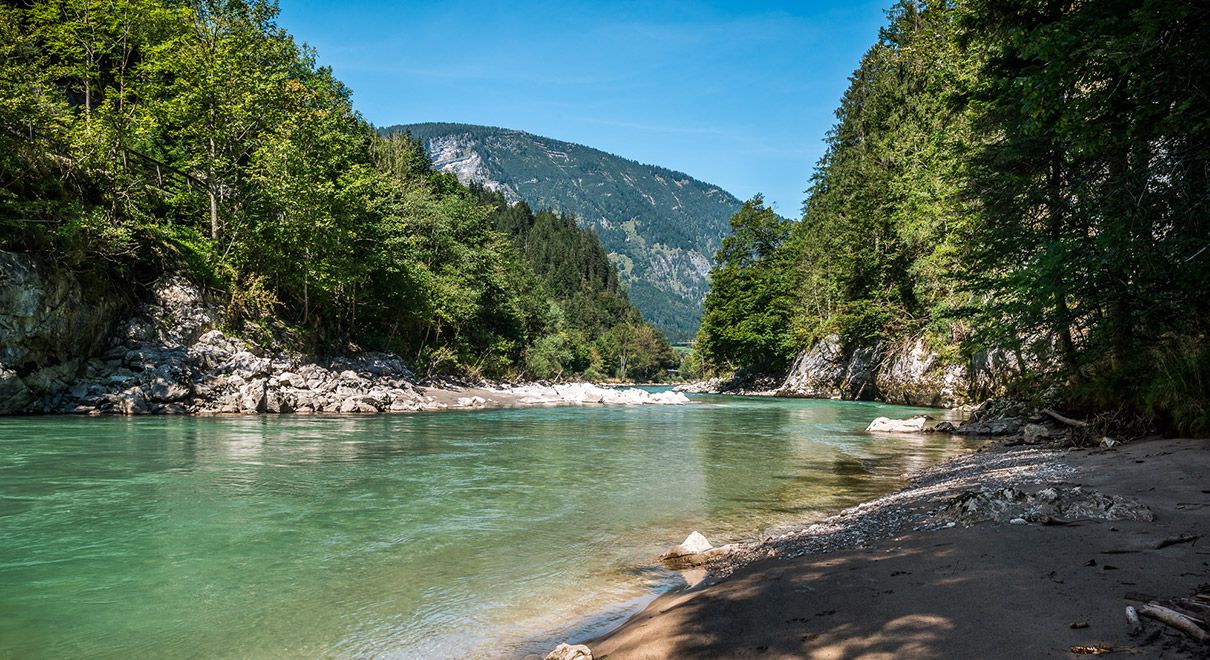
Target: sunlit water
489 533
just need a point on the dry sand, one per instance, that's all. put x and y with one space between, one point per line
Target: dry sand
890 581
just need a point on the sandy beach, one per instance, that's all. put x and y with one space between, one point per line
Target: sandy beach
909 576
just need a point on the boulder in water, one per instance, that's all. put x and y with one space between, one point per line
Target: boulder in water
888 425
689 552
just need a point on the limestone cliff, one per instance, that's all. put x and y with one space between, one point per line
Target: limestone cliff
49 327
908 372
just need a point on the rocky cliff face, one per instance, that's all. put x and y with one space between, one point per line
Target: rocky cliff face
65 354
48 328
906 373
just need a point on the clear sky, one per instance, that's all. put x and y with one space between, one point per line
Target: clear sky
734 93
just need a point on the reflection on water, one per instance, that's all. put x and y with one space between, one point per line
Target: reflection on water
422 535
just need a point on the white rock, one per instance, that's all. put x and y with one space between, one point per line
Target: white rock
403 405
888 425
570 652
695 542
1018 521
669 398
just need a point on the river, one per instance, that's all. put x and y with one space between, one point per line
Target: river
451 534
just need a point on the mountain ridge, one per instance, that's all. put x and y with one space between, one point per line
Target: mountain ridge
660 226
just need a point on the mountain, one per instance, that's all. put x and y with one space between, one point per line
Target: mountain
660 227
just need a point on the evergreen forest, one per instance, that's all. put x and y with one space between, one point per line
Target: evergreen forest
1027 177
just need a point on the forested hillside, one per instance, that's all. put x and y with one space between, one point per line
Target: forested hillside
659 226
145 137
1028 178
599 330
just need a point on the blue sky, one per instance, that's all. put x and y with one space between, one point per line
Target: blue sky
736 94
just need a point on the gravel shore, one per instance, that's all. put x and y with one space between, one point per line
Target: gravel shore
999 553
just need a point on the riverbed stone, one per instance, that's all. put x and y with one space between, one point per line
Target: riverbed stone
1036 434
570 652
1055 503
690 552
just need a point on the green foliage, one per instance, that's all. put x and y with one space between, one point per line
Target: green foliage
595 329
1091 190
1029 177
876 240
663 225
144 136
748 309
1177 396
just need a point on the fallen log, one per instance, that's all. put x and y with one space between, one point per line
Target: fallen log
1190 609
1176 540
1174 619
1066 420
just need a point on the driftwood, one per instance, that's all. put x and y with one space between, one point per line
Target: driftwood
1066 420
1047 520
1175 540
1190 608
1174 619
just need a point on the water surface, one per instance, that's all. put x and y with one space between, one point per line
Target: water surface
449 534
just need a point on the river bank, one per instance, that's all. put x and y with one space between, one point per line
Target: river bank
169 358
961 563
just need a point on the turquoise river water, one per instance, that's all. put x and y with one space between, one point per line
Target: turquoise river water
453 534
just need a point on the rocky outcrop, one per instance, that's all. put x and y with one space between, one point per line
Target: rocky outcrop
913 374
1048 505
64 354
908 373
49 326
828 371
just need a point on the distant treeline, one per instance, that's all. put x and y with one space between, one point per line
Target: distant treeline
142 137
1033 177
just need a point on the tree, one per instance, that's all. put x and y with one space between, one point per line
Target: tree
876 244
222 79
1092 191
748 310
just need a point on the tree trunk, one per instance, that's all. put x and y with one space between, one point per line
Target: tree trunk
1056 217
212 187
213 214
